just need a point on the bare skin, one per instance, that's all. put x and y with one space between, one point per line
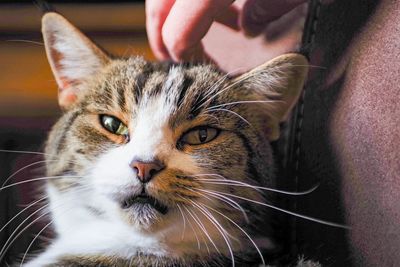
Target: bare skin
176 28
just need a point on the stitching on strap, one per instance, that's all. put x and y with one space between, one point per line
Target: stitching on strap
307 43
300 110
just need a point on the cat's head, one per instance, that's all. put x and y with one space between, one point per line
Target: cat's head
170 150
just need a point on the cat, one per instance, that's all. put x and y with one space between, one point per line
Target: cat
161 164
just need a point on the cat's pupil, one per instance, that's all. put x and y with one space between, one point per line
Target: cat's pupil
202 135
111 123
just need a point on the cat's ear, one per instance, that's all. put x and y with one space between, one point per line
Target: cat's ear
274 89
72 56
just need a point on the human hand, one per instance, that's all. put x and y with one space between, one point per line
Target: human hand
176 28
257 14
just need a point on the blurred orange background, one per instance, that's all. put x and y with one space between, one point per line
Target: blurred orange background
27 87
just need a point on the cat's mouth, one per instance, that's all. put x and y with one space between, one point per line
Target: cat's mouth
142 200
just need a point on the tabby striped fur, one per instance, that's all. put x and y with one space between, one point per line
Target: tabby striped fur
206 222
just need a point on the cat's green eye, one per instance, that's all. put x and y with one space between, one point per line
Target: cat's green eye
200 135
114 125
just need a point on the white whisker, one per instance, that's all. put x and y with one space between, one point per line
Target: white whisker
241 102
26 41
33 240
234 113
23 152
14 236
242 184
291 213
23 168
15 216
39 179
209 174
224 199
184 221
211 116
195 233
241 229
203 229
214 87
220 229
11 238
226 88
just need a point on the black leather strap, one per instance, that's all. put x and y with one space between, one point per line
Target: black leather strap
292 137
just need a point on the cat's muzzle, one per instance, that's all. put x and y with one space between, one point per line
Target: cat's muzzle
144 200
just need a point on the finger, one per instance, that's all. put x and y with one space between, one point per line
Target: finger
156 13
290 24
230 18
257 14
198 54
186 25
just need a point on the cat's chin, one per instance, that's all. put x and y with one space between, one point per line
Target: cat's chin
143 210
143 202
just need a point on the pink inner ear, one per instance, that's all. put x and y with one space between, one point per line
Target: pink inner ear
56 57
65 83
66 98
67 94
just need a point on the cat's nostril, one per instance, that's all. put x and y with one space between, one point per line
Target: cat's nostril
145 171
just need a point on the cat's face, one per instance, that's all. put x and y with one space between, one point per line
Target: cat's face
168 150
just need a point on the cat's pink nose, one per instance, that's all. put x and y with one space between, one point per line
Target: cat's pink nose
146 170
